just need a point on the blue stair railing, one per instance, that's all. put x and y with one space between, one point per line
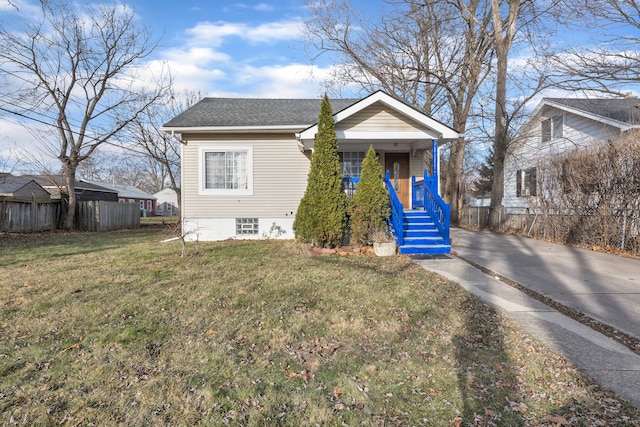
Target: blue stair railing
425 195
395 220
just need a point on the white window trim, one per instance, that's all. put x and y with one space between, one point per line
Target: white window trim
225 192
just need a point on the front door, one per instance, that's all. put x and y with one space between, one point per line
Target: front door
398 166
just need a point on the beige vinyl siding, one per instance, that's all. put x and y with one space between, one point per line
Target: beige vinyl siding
279 178
376 118
417 165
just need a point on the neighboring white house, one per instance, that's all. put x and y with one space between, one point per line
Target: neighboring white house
557 126
245 162
167 202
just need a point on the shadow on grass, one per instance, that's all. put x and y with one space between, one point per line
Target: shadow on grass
487 380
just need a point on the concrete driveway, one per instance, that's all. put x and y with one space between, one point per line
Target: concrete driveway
603 286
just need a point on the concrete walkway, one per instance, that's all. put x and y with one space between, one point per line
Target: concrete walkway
604 287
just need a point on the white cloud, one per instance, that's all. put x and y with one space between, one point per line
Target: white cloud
214 34
264 7
286 81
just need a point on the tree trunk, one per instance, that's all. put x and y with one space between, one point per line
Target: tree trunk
453 178
69 180
504 32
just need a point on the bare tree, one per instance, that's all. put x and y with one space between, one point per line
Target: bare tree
78 71
610 61
522 22
433 54
160 150
504 31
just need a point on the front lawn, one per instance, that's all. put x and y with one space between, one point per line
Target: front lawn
119 329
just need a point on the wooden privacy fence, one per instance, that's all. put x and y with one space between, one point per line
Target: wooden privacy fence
29 216
34 216
104 216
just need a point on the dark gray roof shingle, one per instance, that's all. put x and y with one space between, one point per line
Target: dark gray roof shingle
223 112
625 110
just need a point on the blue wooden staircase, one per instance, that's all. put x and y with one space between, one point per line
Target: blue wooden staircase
423 229
420 235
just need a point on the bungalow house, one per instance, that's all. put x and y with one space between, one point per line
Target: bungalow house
129 194
245 164
557 126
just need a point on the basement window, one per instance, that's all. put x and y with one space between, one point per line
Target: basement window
246 226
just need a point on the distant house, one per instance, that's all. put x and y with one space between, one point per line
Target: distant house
84 191
21 188
558 126
167 202
129 194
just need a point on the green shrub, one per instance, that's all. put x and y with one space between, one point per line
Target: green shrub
370 204
322 215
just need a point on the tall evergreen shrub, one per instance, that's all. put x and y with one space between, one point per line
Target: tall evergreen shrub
322 215
370 204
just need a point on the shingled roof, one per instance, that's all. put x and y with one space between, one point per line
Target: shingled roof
625 110
254 112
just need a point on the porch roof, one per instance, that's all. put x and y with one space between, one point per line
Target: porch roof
420 136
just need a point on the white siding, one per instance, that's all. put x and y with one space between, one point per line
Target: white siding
578 132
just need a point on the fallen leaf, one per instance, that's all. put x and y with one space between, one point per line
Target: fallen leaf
71 347
489 412
210 332
558 420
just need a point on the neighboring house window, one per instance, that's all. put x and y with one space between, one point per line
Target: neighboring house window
227 170
557 123
546 130
246 226
351 163
526 182
552 128
142 204
149 205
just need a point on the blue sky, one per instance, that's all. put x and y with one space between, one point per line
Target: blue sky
245 48
219 48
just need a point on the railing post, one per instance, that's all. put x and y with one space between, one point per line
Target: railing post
435 165
413 192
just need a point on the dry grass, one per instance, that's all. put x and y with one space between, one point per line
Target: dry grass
117 329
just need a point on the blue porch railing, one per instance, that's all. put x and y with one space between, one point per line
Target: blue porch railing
425 196
349 184
395 220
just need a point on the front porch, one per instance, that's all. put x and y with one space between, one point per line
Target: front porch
402 136
419 221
